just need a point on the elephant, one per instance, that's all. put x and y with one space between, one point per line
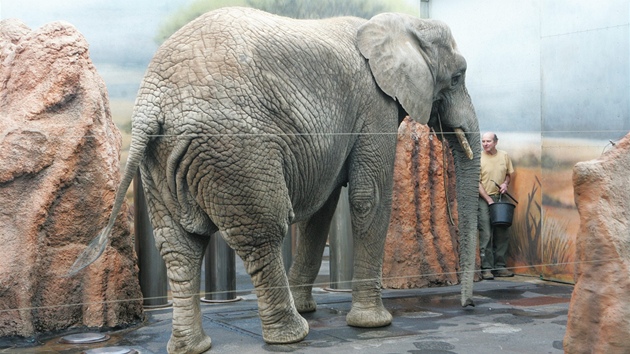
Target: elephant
248 122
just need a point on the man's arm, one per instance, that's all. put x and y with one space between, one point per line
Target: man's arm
506 183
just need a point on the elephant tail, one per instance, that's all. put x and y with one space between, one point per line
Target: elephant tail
142 133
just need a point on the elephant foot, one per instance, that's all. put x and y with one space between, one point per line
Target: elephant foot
304 301
186 345
292 329
369 317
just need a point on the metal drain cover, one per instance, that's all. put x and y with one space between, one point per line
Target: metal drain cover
84 338
111 350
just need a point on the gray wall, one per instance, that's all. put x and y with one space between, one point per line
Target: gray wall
558 67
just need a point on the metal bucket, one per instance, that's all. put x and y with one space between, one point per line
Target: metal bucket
501 214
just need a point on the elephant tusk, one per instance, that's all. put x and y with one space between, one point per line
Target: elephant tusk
461 137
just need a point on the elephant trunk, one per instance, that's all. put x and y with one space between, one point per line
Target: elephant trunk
467 165
467 181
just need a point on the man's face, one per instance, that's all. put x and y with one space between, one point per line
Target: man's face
488 143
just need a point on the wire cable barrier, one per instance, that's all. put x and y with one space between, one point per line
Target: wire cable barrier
322 285
610 143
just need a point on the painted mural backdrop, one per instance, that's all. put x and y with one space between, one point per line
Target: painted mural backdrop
552 78
546 221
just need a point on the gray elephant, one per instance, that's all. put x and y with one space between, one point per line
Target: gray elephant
248 122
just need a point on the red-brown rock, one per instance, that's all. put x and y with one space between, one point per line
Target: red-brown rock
599 313
59 152
422 243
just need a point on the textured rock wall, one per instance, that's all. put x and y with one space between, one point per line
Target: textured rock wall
422 243
599 313
59 152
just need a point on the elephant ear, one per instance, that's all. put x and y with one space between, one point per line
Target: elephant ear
398 48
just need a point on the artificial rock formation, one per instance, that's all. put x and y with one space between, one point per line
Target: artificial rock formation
599 313
59 153
422 243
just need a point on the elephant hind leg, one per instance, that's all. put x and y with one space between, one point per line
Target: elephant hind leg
281 323
183 253
313 234
253 211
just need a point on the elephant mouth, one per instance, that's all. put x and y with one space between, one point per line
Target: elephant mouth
434 121
463 142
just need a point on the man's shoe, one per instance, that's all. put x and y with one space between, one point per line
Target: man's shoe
503 273
486 275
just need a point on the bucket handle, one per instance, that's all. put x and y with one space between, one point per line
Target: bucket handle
506 193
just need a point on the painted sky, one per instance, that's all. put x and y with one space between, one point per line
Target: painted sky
119 31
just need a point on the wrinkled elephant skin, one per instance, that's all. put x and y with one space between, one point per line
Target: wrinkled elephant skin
247 122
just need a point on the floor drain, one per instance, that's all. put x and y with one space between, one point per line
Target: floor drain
211 301
84 338
111 350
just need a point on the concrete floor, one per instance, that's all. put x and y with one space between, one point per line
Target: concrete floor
512 315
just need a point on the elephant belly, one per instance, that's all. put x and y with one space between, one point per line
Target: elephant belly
252 181
311 186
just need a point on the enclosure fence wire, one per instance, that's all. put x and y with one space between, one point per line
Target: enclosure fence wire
420 275
542 133
315 285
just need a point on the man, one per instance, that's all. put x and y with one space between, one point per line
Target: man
496 168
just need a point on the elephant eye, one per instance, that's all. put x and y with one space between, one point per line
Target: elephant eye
455 79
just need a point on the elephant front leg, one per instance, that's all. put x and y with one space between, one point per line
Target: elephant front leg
182 254
367 305
281 322
369 224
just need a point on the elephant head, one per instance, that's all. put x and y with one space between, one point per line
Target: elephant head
417 63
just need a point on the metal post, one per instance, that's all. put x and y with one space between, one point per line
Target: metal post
220 268
424 9
288 246
341 245
152 270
